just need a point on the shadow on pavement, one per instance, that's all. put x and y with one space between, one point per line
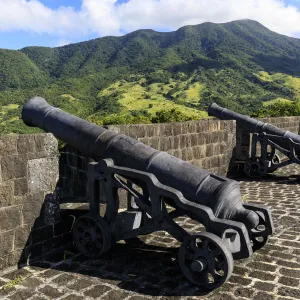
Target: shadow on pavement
135 266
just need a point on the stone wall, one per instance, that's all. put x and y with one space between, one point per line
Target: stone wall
28 171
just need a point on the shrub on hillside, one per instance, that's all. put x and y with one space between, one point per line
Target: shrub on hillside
279 109
173 115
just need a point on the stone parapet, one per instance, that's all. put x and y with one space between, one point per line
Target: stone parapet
28 171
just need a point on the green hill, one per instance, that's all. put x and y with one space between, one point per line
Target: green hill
239 64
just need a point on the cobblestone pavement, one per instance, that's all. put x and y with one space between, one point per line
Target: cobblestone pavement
151 271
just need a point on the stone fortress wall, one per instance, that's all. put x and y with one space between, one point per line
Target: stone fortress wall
30 166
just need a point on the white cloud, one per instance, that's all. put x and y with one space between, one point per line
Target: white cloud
107 17
62 42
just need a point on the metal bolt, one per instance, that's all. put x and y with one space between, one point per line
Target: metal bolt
199 265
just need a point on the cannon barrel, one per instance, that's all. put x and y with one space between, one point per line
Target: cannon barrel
219 193
255 126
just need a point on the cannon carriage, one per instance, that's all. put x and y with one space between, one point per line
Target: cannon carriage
155 182
266 144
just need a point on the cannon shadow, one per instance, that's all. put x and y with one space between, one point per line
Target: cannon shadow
135 266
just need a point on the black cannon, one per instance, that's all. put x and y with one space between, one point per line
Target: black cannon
267 141
160 188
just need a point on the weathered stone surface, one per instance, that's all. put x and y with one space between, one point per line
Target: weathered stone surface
6 242
6 194
8 145
42 174
25 143
22 237
21 295
20 186
97 291
13 166
32 208
50 144
51 292
10 218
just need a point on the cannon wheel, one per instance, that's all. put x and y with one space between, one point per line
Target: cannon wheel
275 161
257 238
92 235
254 169
205 260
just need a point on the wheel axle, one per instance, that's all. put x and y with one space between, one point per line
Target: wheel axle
199 264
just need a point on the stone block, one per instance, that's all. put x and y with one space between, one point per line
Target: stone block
39 142
177 129
32 208
6 242
25 143
154 142
42 174
194 139
176 142
6 194
189 154
20 186
205 163
168 129
149 130
50 144
188 140
201 138
161 130
3 264
22 237
204 124
217 148
212 125
144 140
36 155
209 150
165 143
196 152
184 128
183 141
13 166
207 138
10 218
178 153
8 145
191 127
184 154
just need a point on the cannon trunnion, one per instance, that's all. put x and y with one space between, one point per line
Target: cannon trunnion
268 138
160 188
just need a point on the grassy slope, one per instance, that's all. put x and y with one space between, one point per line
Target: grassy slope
132 96
288 81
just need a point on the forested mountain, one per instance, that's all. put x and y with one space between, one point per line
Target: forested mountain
136 77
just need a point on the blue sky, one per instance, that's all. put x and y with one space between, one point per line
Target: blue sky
58 22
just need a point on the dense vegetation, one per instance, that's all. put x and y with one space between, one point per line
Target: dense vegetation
279 109
149 76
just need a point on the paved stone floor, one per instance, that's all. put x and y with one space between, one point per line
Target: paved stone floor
151 271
